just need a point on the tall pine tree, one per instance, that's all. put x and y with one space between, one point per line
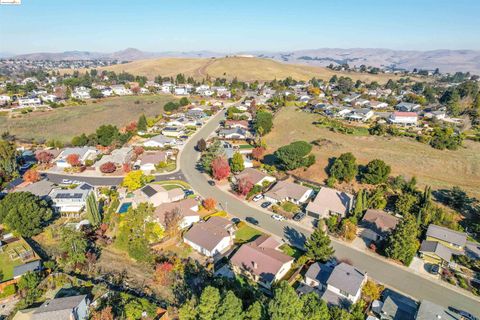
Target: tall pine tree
93 213
318 246
402 244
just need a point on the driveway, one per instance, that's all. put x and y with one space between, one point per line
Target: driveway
391 275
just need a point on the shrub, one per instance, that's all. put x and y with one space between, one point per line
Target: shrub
108 167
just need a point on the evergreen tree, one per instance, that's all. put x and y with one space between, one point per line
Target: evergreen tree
318 246
344 168
285 303
93 213
314 308
237 163
402 244
230 308
256 311
142 123
209 302
359 204
377 171
188 311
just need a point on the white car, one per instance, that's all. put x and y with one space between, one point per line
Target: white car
278 217
257 197
67 181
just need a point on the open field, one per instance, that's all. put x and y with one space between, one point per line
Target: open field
440 169
64 123
245 69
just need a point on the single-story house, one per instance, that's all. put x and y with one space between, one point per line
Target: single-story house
261 261
243 124
41 188
160 141
403 118
395 306
120 90
288 191
330 202
149 159
351 98
31 266
173 131
70 200
407 107
362 114
378 224
71 308
431 311
255 176
117 156
156 195
187 208
344 285
84 154
211 238
378 105
234 134
196 113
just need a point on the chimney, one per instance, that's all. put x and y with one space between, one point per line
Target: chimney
255 266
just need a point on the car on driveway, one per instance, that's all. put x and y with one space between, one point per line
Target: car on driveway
251 220
188 193
257 197
299 216
278 217
434 269
211 182
266 204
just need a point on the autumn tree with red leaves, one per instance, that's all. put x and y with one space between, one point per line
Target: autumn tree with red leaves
209 204
31 175
44 157
138 150
104 314
108 167
220 168
131 127
244 186
126 167
163 273
258 153
73 160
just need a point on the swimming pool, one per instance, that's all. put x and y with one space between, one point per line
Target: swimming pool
124 207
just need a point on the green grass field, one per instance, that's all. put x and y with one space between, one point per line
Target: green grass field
64 123
7 264
245 233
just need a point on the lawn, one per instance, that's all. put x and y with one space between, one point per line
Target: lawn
245 233
64 123
291 251
437 168
172 184
7 263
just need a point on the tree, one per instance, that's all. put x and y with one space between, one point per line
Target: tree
73 246
360 206
138 150
44 157
376 172
164 273
344 168
263 122
135 180
318 246
237 163
338 313
103 314
73 160
24 213
258 153
230 308
220 168
8 159
188 311
93 213
201 145
80 141
371 291
184 101
405 203
131 127
348 230
107 134
244 186
108 167
294 155
170 106
402 243
314 308
209 303
209 204
172 219
28 287
255 312
96 93
285 303
31 175
446 138
142 123
213 151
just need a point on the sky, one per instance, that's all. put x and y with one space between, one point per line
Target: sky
240 25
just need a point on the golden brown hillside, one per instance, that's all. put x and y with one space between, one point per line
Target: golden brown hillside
245 69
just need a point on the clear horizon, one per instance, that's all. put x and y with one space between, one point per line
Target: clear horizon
109 26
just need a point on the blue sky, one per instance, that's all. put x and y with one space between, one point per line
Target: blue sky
240 25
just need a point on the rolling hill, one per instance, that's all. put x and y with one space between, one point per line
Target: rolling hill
243 68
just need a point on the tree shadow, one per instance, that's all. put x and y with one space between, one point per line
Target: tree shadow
270 159
294 237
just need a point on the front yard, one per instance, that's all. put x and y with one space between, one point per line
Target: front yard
245 233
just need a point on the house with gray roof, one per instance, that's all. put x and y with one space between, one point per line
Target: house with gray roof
377 224
66 308
31 266
288 191
211 237
431 311
395 306
84 154
41 188
117 156
407 107
455 240
435 252
317 275
344 285
330 202
234 134
160 141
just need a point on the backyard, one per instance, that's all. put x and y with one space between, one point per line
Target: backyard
437 168
12 255
64 123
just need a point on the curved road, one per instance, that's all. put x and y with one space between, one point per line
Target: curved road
393 276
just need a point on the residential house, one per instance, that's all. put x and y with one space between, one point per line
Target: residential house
156 194
241 124
360 114
29 102
435 252
352 97
49 98
160 141
187 208
41 188
407 107
431 311
119 89
330 202
212 237
173 131
441 243
84 154
68 308
288 191
4 99
403 118
181 122
149 159
117 156
255 176
107 92
360 102
180 91
262 261
377 225
344 285
70 200
81 93
196 113
378 105
233 134
32 266
317 275
395 306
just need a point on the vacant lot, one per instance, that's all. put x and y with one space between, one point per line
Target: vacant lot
64 123
440 169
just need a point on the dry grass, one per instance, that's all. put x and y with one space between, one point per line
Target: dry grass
440 169
245 69
64 123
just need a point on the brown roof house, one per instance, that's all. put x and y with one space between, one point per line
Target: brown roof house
212 237
288 191
261 261
187 208
149 159
330 202
156 195
378 224
255 176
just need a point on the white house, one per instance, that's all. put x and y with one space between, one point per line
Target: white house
173 131
378 105
84 154
5 99
49 98
403 118
211 238
107 92
81 93
363 114
186 208
120 90
344 285
160 141
70 200
29 102
288 191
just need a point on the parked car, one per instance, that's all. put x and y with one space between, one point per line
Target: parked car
277 217
235 220
299 216
188 193
257 197
251 220
434 269
67 181
211 182
464 314
266 204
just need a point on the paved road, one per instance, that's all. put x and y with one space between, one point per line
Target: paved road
393 276
108 181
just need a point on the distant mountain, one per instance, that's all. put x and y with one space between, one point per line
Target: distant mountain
445 60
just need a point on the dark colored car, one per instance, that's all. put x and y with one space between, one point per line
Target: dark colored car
434 269
464 314
266 204
251 220
235 220
188 192
299 216
211 182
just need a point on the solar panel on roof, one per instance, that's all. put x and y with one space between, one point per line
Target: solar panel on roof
149 191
